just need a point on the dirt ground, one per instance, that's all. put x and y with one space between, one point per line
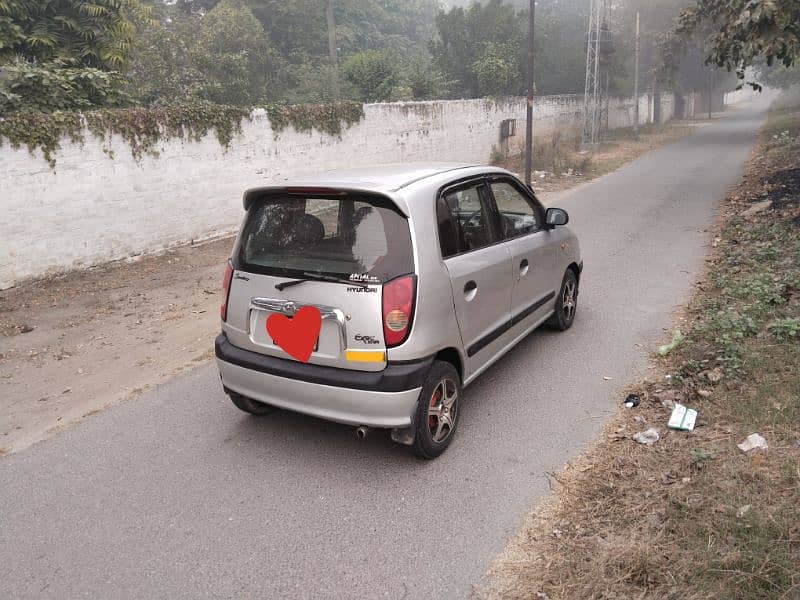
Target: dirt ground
580 166
71 346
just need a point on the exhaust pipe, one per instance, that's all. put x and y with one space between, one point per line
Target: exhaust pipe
362 432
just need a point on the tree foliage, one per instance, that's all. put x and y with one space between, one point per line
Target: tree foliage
747 29
252 52
65 54
234 55
741 32
95 34
374 74
161 64
475 40
57 86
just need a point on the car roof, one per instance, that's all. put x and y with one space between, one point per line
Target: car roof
380 178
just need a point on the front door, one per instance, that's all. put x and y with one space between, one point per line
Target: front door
479 268
533 257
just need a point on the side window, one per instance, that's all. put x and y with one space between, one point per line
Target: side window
517 215
464 220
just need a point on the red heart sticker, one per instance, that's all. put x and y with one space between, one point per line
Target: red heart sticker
296 336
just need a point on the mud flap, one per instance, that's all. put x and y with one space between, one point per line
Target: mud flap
404 436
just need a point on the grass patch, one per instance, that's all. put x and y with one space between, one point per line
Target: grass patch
559 162
557 154
692 516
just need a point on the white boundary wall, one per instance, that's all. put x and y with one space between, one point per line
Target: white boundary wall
745 94
95 209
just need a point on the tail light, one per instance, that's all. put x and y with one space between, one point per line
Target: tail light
398 308
226 288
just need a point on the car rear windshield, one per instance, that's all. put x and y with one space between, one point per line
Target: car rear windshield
360 238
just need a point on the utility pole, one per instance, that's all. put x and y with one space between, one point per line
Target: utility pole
710 90
332 50
636 80
529 111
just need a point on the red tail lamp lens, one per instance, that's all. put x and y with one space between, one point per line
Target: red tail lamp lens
398 309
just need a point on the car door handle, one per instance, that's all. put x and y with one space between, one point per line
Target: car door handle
470 290
523 267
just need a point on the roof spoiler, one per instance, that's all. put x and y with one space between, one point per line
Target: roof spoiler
254 194
323 192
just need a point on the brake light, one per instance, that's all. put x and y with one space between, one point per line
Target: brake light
315 191
226 288
398 309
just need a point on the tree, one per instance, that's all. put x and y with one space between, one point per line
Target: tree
196 7
471 41
374 73
95 34
497 69
745 30
65 54
298 32
403 27
234 55
297 29
161 64
560 47
29 87
424 80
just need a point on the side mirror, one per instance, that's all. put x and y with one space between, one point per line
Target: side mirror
556 216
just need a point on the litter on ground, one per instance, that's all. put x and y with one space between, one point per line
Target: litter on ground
677 338
633 400
752 441
682 418
649 436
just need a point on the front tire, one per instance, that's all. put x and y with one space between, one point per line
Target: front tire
437 411
566 303
251 406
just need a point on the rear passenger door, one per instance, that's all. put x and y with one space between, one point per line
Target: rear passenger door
478 264
531 247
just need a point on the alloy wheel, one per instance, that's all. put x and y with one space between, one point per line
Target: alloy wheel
569 300
442 410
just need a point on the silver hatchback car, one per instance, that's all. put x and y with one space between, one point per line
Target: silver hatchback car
423 275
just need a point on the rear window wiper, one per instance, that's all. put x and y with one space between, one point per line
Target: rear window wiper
307 276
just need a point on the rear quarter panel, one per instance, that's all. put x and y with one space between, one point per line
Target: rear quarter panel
435 327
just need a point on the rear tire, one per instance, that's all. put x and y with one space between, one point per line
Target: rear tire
438 411
566 303
251 406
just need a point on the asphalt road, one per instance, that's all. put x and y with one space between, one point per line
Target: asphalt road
179 495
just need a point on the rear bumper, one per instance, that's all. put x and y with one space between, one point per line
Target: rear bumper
386 398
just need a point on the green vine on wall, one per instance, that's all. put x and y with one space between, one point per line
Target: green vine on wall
41 130
327 118
143 128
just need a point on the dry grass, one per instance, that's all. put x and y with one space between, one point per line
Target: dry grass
692 516
564 164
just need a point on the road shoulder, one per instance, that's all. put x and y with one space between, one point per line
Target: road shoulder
692 515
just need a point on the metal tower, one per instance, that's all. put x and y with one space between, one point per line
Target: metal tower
598 49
